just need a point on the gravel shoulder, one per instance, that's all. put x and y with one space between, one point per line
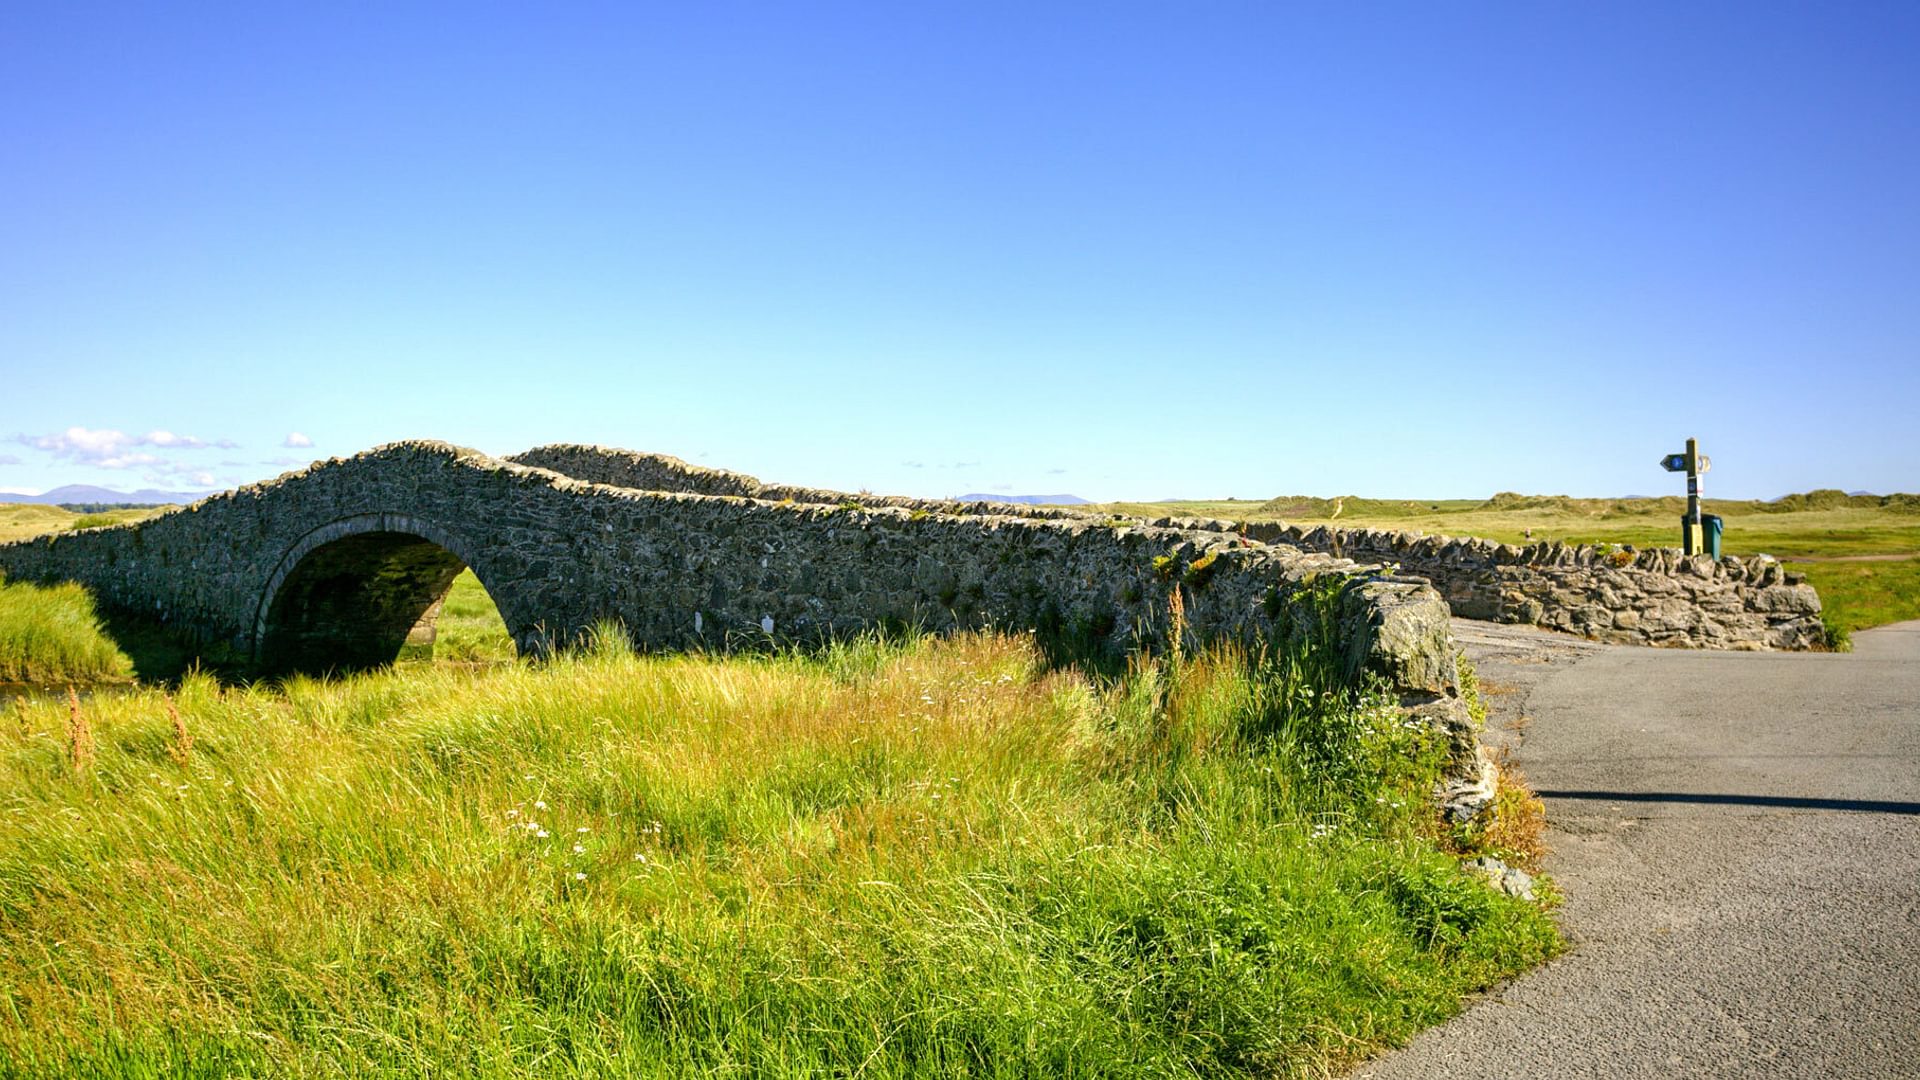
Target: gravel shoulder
1738 836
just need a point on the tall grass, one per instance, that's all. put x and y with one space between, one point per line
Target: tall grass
935 857
52 634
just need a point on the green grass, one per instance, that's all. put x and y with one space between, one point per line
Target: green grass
469 630
51 634
934 857
94 520
1860 595
21 520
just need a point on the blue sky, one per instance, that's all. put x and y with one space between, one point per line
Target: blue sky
1126 251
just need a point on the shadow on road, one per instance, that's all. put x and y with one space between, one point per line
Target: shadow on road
1870 806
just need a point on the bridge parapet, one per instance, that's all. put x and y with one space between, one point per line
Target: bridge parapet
662 472
342 562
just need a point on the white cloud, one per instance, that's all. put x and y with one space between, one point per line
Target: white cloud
80 444
19 491
107 448
173 473
295 439
168 438
11 459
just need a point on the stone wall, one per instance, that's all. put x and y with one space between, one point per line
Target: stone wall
1655 597
360 550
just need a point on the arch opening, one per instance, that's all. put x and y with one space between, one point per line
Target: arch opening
357 602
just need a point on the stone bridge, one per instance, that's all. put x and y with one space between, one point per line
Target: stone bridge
341 565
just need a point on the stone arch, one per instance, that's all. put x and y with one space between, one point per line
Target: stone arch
355 592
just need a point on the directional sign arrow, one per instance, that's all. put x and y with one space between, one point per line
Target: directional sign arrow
1674 463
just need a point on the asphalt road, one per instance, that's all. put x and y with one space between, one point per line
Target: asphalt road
1738 836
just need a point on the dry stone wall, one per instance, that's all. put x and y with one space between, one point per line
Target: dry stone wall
360 550
1656 597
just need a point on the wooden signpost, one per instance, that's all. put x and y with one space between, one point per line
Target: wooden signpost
1693 463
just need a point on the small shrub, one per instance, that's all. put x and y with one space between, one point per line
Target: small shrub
1470 692
1835 637
1514 828
1200 569
1441 905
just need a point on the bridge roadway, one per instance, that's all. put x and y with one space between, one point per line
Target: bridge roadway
1738 836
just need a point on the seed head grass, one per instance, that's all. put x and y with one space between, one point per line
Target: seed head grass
887 859
80 752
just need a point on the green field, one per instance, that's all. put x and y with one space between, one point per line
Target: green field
1820 534
21 520
929 857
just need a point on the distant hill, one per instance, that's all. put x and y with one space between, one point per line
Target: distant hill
1024 500
89 495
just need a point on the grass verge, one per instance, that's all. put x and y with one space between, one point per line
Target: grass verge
933 857
1859 595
